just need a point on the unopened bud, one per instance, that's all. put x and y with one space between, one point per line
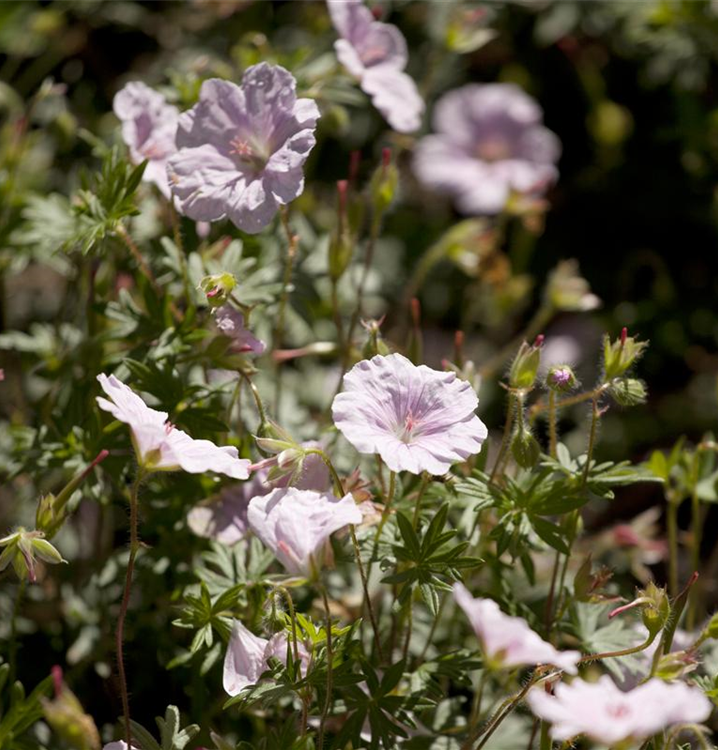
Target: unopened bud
374 343
384 183
525 448
676 665
560 378
656 610
274 439
711 629
525 365
620 355
68 719
628 391
341 244
568 291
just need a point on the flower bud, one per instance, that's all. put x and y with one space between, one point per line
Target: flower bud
374 343
628 391
657 608
560 379
620 355
218 288
676 665
711 629
525 365
341 243
568 291
274 439
525 448
67 718
384 183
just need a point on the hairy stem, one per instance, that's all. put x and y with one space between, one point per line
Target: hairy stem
672 529
552 432
330 675
120 632
506 436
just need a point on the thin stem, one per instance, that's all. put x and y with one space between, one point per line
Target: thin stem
546 743
330 675
579 398
672 528
293 616
384 517
696 539
410 627
696 729
177 233
622 652
434 626
552 593
257 398
475 715
336 313
552 432
12 647
365 587
417 506
595 414
507 707
120 633
292 242
368 259
506 437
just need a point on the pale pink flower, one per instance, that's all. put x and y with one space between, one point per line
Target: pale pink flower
603 713
417 419
247 657
509 641
375 53
149 126
489 142
159 445
230 322
119 745
242 149
296 525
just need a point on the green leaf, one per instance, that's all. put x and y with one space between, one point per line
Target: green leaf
549 533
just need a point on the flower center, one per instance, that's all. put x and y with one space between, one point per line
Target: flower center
153 151
493 149
247 152
618 710
407 430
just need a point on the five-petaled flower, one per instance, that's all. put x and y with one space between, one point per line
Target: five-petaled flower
376 54
508 641
149 127
248 655
607 715
489 142
417 419
160 446
241 149
296 525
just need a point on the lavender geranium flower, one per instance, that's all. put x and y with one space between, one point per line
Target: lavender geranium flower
602 712
119 745
248 655
149 126
242 148
417 419
376 54
489 142
159 445
509 641
230 322
296 525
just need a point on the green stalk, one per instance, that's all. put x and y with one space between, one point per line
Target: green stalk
552 432
330 674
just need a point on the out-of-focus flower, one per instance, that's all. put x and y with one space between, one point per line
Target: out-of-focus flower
22 547
248 655
508 641
489 143
67 717
417 419
568 291
296 525
376 54
159 445
242 148
231 323
149 126
119 745
603 713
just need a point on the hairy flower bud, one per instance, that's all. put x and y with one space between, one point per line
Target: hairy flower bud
657 608
374 343
68 719
218 288
525 365
525 448
560 378
620 355
628 391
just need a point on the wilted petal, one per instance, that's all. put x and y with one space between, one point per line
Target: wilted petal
231 323
244 661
